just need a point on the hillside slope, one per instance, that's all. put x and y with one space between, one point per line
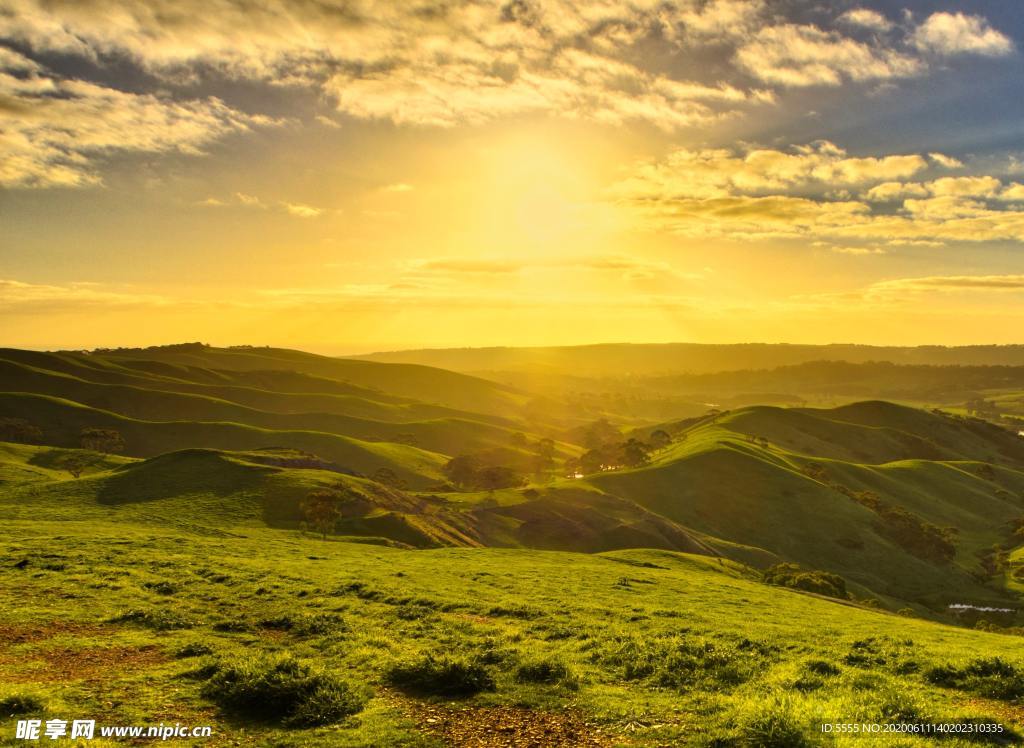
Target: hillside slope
898 500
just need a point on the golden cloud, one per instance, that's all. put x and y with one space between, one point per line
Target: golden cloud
768 193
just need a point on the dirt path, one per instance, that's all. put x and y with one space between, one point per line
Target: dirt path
502 726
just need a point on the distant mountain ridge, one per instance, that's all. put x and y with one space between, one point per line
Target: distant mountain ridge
647 359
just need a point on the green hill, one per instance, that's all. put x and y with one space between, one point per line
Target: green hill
63 420
806 496
905 504
424 383
451 646
723 592
448 435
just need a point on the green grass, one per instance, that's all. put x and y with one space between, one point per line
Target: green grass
715 481
147 624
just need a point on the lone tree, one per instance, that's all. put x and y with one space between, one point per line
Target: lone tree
390 478
19 430
75 464
660 439
600 433
499 476
322 510
102 440
634 453
462 470
545 452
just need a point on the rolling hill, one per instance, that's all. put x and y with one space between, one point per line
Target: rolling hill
737 586
905 504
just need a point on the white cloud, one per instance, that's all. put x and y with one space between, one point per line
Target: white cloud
18 296
957 33
946 162
801 55
54 133
301 211
790 194
888 191
866 18
1013 193
245 200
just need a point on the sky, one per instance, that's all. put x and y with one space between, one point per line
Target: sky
347 175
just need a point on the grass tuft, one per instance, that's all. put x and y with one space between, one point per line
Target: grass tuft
284 690
441 675
17 704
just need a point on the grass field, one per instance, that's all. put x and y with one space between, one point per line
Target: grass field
180 581
129 623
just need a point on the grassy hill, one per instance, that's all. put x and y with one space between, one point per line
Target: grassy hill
615 359
806 493
448 434
281 639
643 606
63 420
424 383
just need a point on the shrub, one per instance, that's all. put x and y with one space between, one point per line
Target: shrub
159 619
819 582
317 624
550 671
194 649
773 724
992 677
684 663
20 703
441 675
283 690
161 588
822 667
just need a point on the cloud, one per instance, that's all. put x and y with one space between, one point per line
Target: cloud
302 211
630 266
465 265
397 187
17 296
55 133
866 18
1013 193
756 193
245 200
965 186
946 283
250 201
712 173
427 64
888 191
855 251
947 162
956 33
800 55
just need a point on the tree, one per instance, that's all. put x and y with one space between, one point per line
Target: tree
19 430
462 470
544 454
599 433
498 476
518 440
102 440
660 439
322 510
75 464
592 461
389 477
572 466
634 453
